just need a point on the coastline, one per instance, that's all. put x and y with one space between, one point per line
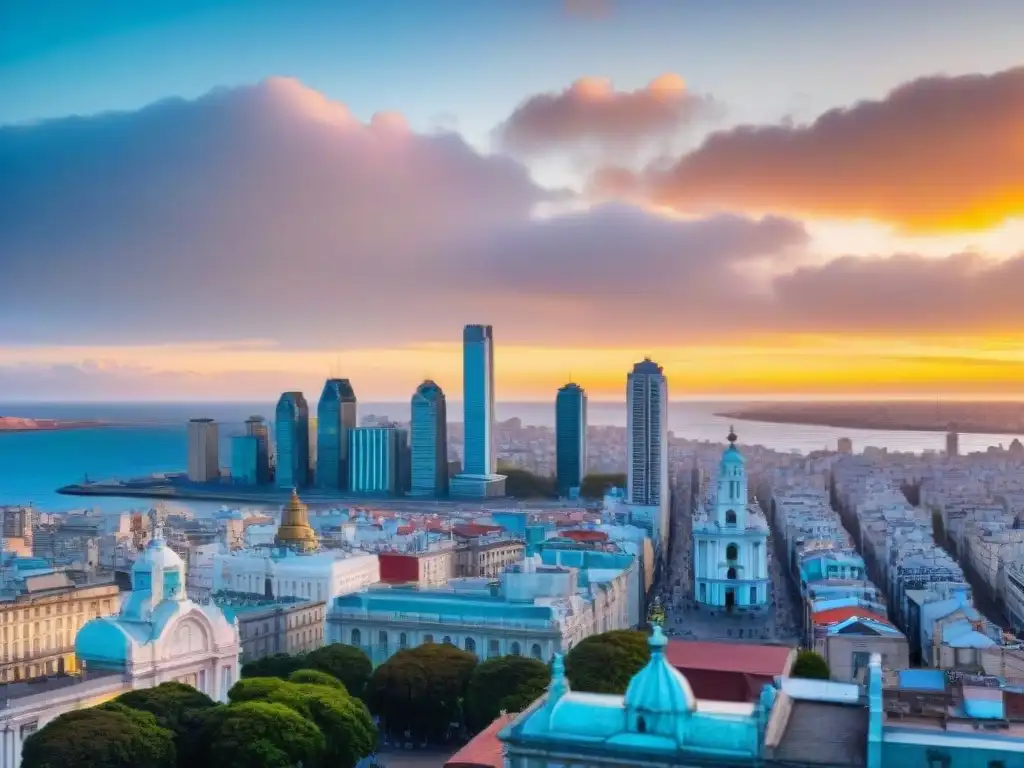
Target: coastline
839 422
47 426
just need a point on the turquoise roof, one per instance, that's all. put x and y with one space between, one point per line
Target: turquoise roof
659 693
445 605
106 642
732 456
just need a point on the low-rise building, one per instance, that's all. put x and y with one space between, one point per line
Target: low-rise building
267 626
428 568
38 624
276 572
488 555
848 636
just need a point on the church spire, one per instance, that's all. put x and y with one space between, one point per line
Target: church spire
732 435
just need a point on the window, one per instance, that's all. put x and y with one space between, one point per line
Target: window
493 649
514 649
403 641
753 595
357 637
732 552
382 639
730 517
641 725
703 593
428 638
447 640
731 573
535 651
470 645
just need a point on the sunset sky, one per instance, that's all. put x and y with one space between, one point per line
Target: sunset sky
226 199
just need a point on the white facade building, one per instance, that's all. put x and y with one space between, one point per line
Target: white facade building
274 573
203 451
543 606
159 636
730 543
647 490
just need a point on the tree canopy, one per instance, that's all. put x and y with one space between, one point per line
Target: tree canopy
276 665
346 663
261 734
176 707
521 484
811 665
509 683
422 689
343 720
110 736
315 677
606 663
595 486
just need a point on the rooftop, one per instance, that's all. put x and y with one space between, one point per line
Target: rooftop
745 658
484 750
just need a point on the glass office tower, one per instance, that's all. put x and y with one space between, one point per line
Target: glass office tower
570 438
336 417
480 456
291 433
429 438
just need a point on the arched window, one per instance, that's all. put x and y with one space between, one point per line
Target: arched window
732 552
470 645
403 641
535 651
514 649
641 725
382 638
730 517
447 640
357 637
731 573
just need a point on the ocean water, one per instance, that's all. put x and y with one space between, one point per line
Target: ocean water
34 464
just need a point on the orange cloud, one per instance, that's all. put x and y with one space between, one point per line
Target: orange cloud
592 112
936 154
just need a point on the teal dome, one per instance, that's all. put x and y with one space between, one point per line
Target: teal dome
732 456
658 694
103 644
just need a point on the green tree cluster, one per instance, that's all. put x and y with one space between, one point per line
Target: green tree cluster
310 719
521 484
345 663
429 691
596 485
606 663
811 665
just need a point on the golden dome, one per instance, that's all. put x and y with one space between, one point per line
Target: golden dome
295 531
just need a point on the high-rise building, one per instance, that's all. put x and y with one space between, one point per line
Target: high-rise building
245 459
379 460
203 451
952 442
429 441
570 438
336 417
647 446
291 433
478 400
256 427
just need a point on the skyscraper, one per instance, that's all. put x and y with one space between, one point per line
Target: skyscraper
203 451
256 427
379 458
292 438
336 417
570 438
429 438
479 477
478 400
647 442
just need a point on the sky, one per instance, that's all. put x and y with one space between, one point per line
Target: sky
225 199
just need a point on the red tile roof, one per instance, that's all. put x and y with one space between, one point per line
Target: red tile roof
585 535
484 750
406 529
837 615
471 530
744 658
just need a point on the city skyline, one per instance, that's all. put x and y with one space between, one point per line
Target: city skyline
599 181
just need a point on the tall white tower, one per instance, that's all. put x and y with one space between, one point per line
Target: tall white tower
647 444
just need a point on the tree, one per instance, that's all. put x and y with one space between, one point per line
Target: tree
347 663
261 734
421 690
176 707
811 665
508 683
520 484
345 723
111 736
606 663
276 665
315 677
596 485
